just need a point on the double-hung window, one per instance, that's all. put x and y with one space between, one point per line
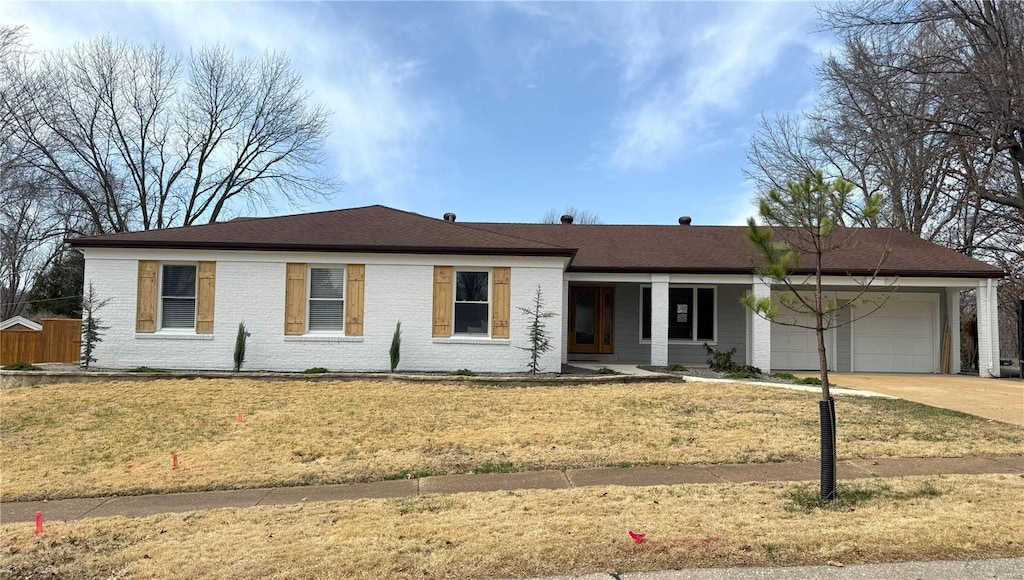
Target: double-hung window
178 296
472 302
691 313
326 299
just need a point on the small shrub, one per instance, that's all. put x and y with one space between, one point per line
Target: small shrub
464 373
809 381
314 371
675 368
720 360
785 376
396 346
240 346
606 371
21 366
145 369
743 374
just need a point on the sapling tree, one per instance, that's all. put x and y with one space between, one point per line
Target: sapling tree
812 218
92 326
396 346
240 339
538 335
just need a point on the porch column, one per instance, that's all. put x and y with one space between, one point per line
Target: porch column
988 329
659 320
760 330
953 320
565 320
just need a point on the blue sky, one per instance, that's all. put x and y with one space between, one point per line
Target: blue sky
499 112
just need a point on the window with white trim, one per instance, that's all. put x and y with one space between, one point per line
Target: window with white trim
178 296
472 309
326 310
691 313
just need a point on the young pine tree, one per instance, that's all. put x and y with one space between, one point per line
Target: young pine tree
812 218
539 338
92 326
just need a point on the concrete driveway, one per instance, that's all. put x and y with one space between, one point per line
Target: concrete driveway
999 399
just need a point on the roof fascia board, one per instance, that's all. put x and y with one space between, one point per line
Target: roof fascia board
857 274
883 282
597 277
552 251
324 257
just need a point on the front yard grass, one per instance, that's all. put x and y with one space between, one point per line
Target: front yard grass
118 437
537 533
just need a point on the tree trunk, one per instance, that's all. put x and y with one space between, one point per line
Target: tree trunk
827 410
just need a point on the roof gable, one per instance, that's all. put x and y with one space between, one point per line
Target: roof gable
19 321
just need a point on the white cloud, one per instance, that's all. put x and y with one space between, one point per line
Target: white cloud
381 123
725 59
678 65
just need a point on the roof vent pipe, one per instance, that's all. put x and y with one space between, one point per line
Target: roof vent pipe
449 217
685 220
566 219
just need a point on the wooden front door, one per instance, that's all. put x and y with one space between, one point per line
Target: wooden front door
591 319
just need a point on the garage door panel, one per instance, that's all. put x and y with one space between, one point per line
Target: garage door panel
898 337
795 348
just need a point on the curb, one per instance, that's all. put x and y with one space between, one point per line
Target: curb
15 379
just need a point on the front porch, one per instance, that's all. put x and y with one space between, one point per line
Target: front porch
611 322
608 319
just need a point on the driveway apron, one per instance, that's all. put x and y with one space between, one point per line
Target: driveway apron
998 399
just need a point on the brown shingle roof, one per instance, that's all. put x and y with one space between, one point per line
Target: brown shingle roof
725 249
373 228
593 248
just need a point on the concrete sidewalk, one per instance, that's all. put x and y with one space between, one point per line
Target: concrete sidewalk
940 570
145 505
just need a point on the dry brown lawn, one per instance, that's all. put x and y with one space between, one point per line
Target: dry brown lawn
117 438
528 533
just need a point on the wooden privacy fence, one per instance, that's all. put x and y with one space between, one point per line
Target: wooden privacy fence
59 341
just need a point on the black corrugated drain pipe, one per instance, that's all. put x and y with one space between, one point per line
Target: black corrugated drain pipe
827 410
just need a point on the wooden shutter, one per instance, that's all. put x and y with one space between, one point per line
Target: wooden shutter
355 276
206 279
295 299
145 306
443 300
501 303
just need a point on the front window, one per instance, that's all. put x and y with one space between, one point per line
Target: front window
327 299
691 313
178 296
472 307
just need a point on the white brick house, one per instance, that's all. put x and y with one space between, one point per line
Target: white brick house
327 289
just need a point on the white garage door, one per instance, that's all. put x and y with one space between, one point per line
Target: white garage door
795 348
900 337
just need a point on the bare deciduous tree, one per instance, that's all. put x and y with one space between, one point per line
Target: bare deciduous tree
579 216
972 53
923 103
145 139
30 224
